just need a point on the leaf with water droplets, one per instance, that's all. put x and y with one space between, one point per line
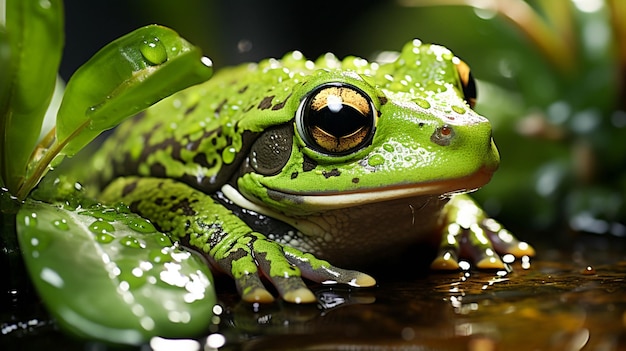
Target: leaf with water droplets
125 77
103 279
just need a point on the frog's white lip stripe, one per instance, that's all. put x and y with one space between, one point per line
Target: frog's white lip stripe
321 202
324 202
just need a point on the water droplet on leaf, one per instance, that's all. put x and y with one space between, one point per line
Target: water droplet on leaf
160 256
104 238
61 224
31 220
140 225
101 227
130 241
153 51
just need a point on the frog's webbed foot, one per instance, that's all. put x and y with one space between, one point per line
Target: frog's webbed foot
253 256
229 243
472 235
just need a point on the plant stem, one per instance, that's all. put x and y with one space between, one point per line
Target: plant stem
50 147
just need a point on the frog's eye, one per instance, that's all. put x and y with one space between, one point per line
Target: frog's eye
336 119
467 83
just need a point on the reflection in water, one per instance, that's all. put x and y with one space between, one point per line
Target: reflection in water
558 303
564 300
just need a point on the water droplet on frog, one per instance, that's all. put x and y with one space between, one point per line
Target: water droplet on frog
153 51
422 103
228 155
458 109
375 160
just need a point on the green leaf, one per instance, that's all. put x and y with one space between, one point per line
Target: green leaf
123 78
109 275
34 33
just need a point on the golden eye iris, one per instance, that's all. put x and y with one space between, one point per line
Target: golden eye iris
336 119
468 84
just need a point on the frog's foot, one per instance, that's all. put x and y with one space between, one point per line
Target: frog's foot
253 256
473 236
321 271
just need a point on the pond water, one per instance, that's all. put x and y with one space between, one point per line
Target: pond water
571 298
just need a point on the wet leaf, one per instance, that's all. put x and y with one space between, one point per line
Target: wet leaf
125 77
30 53
109 275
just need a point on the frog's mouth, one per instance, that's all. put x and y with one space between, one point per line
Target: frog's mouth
307 203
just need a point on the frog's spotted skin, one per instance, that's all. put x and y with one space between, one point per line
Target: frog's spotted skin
349 161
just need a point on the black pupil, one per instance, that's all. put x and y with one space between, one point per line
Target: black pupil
337 122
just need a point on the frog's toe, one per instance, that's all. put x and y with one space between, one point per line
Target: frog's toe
251 289
446 260
503 241
293 289
321 271
481 243
489 260
286 277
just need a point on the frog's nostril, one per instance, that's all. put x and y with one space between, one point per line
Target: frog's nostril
442 135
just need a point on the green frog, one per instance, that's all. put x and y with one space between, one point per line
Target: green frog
274 169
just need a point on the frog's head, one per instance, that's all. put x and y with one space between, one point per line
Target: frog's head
373 132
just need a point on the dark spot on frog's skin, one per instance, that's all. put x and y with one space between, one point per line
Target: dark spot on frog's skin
191 109
266 103
129 188
201 159
333 173
207 134
294 175
219 107
243 89
248 108
421 124
134 206
159 201
185 206
308 164
157 169
382 99
280 197
355 180
280 105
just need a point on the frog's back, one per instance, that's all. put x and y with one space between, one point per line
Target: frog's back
195 135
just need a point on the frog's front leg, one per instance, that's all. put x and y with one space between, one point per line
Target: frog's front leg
229 243
470 233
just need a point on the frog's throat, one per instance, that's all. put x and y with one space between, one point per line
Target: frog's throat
315 203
